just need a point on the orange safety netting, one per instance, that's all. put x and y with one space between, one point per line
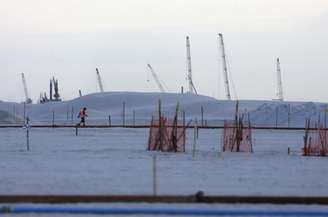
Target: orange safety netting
316 143
166 135
237 139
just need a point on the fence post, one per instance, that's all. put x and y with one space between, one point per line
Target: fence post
154 176
53 118
27 134
14 114
24 113
288 117
184 129
67 113
196 123
194 144
123 114
72 115
202 115
276 116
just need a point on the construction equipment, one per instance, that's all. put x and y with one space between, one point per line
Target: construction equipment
158 82
99 81
225 69
192 88
27 98
280 95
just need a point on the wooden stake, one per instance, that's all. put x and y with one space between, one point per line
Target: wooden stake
53 118
202 115
195 138
27 134
123 114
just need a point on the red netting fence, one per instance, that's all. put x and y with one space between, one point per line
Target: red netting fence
236 138
315 141
166 135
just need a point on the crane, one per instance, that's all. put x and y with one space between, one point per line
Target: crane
158 82
99 81
225 69
192 88
27 98
279 82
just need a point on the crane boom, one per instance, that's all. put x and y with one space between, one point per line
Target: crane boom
225 69
27 98
279 82
158 82
99 81
192 88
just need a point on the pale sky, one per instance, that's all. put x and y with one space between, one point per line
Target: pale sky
70 38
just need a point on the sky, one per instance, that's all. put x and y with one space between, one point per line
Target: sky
68 39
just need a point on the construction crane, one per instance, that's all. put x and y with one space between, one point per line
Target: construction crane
225 69
158 82
27 98
99 81
279 82
192 88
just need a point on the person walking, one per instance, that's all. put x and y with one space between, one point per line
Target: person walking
82 116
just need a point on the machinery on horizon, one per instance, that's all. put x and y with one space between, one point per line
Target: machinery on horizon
280 96
225 69
52 97
99 81
157 80
28 100
191 85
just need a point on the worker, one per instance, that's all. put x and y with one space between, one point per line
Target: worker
82 116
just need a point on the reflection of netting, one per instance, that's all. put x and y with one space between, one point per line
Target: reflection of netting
236 138
165 135
315 142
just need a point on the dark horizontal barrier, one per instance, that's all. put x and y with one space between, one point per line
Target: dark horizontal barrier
147 126
198 198
155 211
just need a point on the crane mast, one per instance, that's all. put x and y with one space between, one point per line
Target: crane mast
225 69
27 98
158 82
99 81
192 88
279 82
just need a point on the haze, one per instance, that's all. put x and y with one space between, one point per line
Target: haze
68 39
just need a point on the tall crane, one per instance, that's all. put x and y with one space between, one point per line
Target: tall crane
279 82
99 81
192 88
158 82
27 98
225 69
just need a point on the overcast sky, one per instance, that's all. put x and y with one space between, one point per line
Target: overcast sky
68 39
